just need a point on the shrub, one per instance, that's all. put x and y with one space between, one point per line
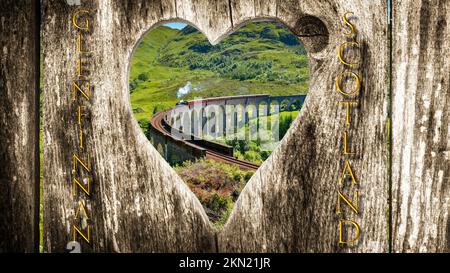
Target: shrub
215 184
218 202
144 123
133 85
143 77
264 154
267 33
252 156
248 175
288 38
188 30
201 47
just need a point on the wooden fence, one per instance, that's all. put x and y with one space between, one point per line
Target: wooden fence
399 132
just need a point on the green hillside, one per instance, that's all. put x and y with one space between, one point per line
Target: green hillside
261 57
147 51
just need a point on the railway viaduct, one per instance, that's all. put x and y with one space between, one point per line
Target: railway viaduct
178 133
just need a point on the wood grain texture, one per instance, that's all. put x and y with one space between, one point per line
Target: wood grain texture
139 203
289 205
420 126
19 158
265 8
211 17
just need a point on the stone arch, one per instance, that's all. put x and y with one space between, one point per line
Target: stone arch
251 120
203 121
160 148
263 108
274 106
263 117
211 119
186 123
284 104
237 122
194 123
177 124
221 120
228 118
296 104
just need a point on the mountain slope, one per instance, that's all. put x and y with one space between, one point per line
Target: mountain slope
148 49
262 51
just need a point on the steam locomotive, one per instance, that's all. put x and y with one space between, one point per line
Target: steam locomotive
181 102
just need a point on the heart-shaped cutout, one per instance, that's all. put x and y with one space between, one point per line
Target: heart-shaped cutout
216 112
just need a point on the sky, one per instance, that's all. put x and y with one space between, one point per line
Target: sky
175 25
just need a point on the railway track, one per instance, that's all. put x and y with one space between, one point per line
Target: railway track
156 122
245 165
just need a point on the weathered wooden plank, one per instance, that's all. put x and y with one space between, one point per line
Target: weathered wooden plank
134 16
290 203
281 206
243 11
138 202
420 126
211 17
19 117
265 8
142 205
